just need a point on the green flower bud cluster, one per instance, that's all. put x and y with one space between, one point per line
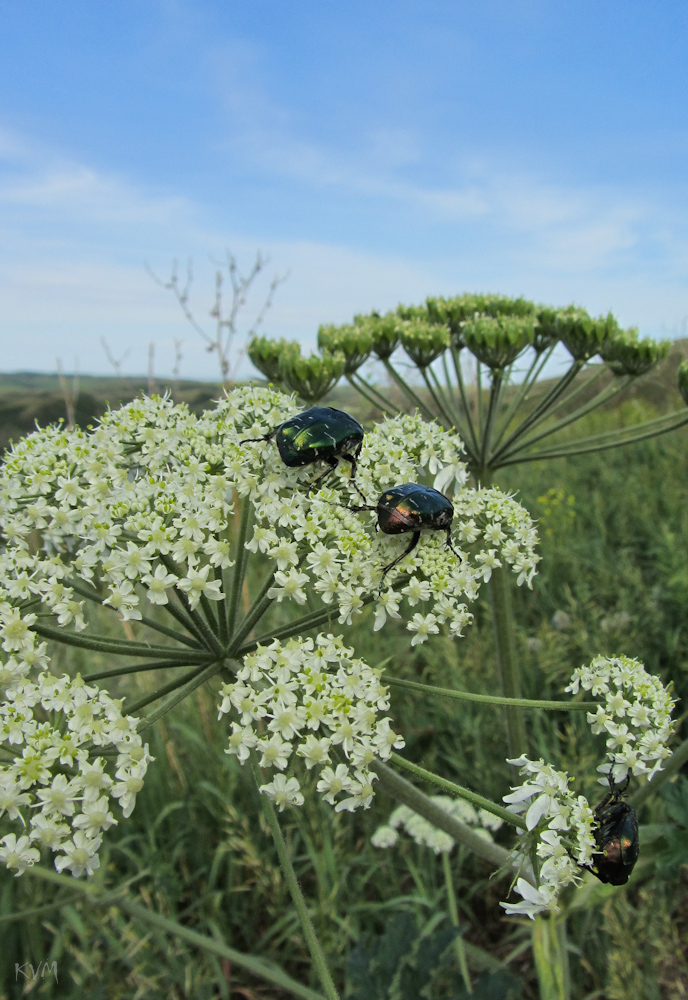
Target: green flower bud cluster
582 335
265 354
354 342
546 333
424 342
385 331
627 355
312 377
498 341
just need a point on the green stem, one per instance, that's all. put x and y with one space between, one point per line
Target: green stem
408 391
179 695
136 668
304 624
256 966
672 767
223 633
545 403
454 916
491 699
295 891
550 953
463 793
406 793
439 403
177 682
371 394
509 674
120 647
184 620
603 397
493 402
479 389
239 566
456 357
92 595
255 613
581 447
208 639
521 396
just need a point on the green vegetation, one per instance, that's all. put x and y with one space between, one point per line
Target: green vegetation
197 849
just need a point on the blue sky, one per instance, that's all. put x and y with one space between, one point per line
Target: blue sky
378 152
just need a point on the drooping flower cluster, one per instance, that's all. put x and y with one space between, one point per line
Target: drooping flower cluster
427 835
53 783
563 824
635 715
311 699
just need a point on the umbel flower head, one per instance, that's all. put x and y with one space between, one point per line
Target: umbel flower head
157 511
56 787
313 699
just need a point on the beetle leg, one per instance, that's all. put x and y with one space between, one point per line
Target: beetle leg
268 437
410 547
354 467
332 464
449 543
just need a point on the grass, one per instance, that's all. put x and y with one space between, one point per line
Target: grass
613 579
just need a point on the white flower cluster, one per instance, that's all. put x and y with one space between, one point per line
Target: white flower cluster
635 715
142 504
305 698
563 824
53 783
427 835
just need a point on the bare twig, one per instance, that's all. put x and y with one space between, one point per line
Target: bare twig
226 317
116 363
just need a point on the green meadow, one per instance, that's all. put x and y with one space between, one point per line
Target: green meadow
196 850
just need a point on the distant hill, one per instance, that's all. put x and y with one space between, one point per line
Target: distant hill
27 398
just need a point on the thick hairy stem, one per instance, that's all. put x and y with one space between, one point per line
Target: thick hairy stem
454 916
551 957
295 892
491 699
509 674
479 801
406 793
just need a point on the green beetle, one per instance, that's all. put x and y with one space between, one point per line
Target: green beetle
412 508
319 434
616 837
